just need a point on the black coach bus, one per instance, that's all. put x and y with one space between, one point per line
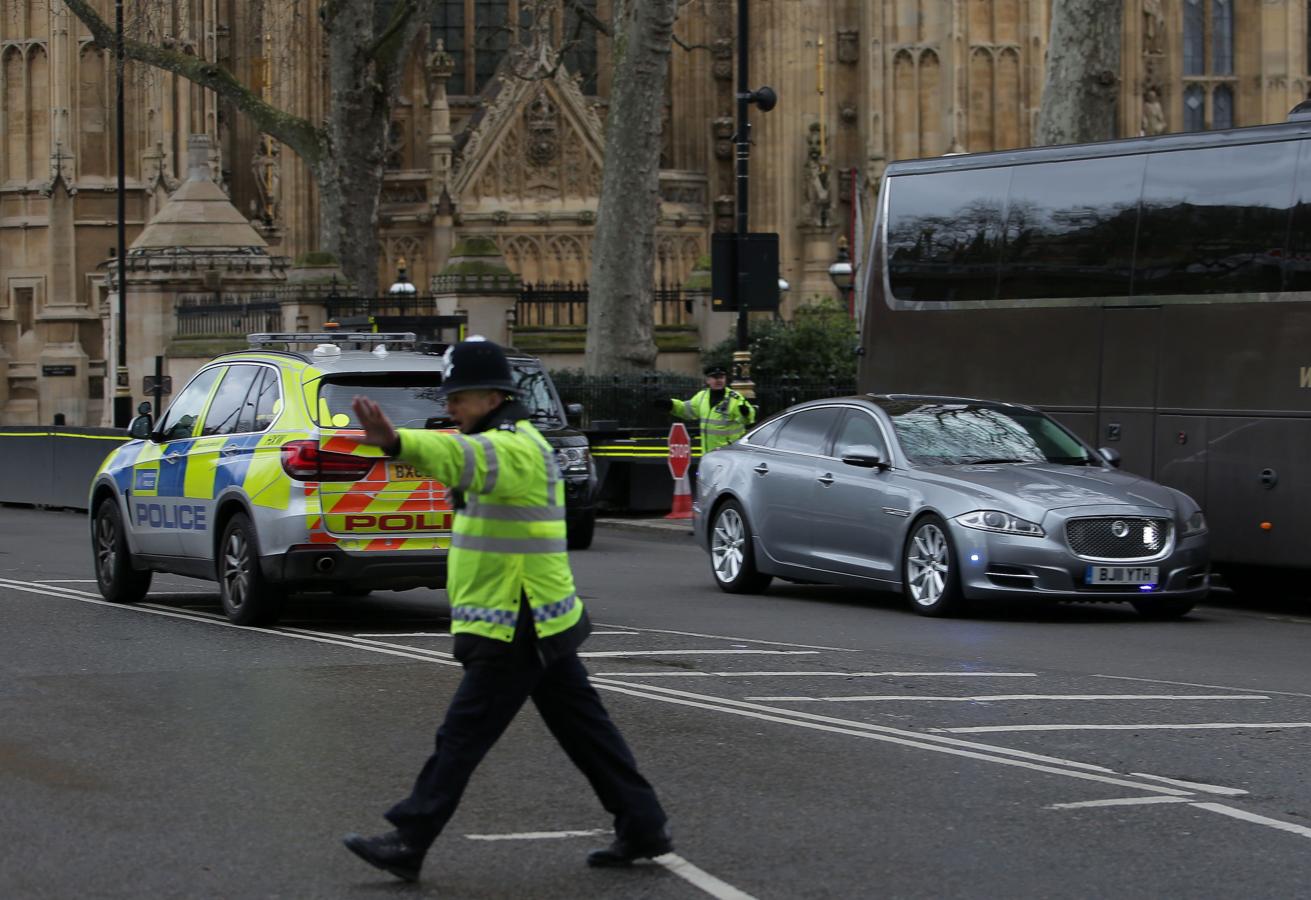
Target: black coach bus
1154 294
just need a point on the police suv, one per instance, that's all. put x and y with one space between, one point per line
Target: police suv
255 477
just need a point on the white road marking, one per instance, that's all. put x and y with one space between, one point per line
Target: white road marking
794 674
1219 687
721 637
983 729
989 698
1193 785
613 633
1071 768
65 581
1126 801
603 653
400 634
1246 816
700 878
538 835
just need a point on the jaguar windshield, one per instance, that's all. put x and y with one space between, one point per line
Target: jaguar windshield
956 434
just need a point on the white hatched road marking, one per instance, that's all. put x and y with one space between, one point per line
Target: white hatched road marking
1125 801
611 653
818 674
1219 687
984 729
954 746
720 637
989 698
1192 785
538 835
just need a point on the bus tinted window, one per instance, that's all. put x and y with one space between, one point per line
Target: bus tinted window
944 234
1070 228
1215 220
1297 263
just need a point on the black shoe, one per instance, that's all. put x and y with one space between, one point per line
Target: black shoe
388 852
622 852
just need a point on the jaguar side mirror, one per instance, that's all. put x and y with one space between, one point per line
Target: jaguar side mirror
1112 457
141 426
864 456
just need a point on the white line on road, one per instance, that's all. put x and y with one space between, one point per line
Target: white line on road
676 864
602 653
818 674
989 698
1246 816
984 729
795 718
1126 801
721 637
700 878
538 835
400 634
1218 687
1193 785
65 581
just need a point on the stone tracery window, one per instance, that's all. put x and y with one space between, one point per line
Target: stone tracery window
478 33
1208 64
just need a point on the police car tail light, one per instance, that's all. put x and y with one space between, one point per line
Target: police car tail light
304 461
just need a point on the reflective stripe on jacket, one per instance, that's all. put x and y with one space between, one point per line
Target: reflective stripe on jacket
509 540
722 424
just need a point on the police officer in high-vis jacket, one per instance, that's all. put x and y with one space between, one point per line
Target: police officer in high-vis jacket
516 617
724 414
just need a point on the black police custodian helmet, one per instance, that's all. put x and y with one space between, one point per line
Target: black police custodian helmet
715 370
476 365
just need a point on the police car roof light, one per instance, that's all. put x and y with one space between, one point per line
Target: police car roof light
332 337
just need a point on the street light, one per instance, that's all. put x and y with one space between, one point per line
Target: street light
842 273
122 385
402 286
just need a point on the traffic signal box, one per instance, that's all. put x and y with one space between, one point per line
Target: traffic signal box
743 272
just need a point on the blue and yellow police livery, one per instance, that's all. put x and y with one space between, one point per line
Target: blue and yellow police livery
254 478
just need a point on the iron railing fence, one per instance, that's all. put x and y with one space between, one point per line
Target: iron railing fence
565 304
224 319
640 401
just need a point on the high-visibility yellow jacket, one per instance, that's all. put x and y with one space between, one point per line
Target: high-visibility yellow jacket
721 424
508 540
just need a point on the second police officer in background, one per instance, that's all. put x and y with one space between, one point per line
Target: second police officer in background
723 414
515 616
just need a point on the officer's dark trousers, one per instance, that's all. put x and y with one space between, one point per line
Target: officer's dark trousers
486 701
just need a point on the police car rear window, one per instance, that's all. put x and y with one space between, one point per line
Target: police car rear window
408 398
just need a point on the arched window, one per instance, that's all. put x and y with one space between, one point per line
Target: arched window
1208 64
1194 108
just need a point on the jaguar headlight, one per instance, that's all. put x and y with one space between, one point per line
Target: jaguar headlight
1000 522
1196 524
574 460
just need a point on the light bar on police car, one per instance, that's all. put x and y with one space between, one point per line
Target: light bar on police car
332 337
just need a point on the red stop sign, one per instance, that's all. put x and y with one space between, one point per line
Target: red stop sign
680 450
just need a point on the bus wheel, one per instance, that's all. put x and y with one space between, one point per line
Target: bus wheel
929 577
1161 610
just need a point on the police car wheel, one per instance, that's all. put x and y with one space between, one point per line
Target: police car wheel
118 581
581 531
248 597
732 553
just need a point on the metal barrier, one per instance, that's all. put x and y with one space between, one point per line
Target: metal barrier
46 466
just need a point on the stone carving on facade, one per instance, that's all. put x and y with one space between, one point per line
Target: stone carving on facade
849 46
1153 27
723 131
267 167
1153 120
542 119
722 52
817 181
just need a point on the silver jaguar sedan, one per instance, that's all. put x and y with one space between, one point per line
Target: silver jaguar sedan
947 500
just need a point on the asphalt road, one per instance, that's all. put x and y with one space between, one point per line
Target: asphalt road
810 742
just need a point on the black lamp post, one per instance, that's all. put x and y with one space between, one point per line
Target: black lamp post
766 99
122 386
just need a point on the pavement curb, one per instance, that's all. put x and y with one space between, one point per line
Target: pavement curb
669 527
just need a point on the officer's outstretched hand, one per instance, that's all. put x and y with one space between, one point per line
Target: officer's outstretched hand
378 430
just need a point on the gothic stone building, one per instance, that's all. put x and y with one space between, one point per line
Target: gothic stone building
475 149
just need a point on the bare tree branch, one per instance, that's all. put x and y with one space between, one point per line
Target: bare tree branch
690 47
299 134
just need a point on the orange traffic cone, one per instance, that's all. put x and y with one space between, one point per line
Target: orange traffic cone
682 499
